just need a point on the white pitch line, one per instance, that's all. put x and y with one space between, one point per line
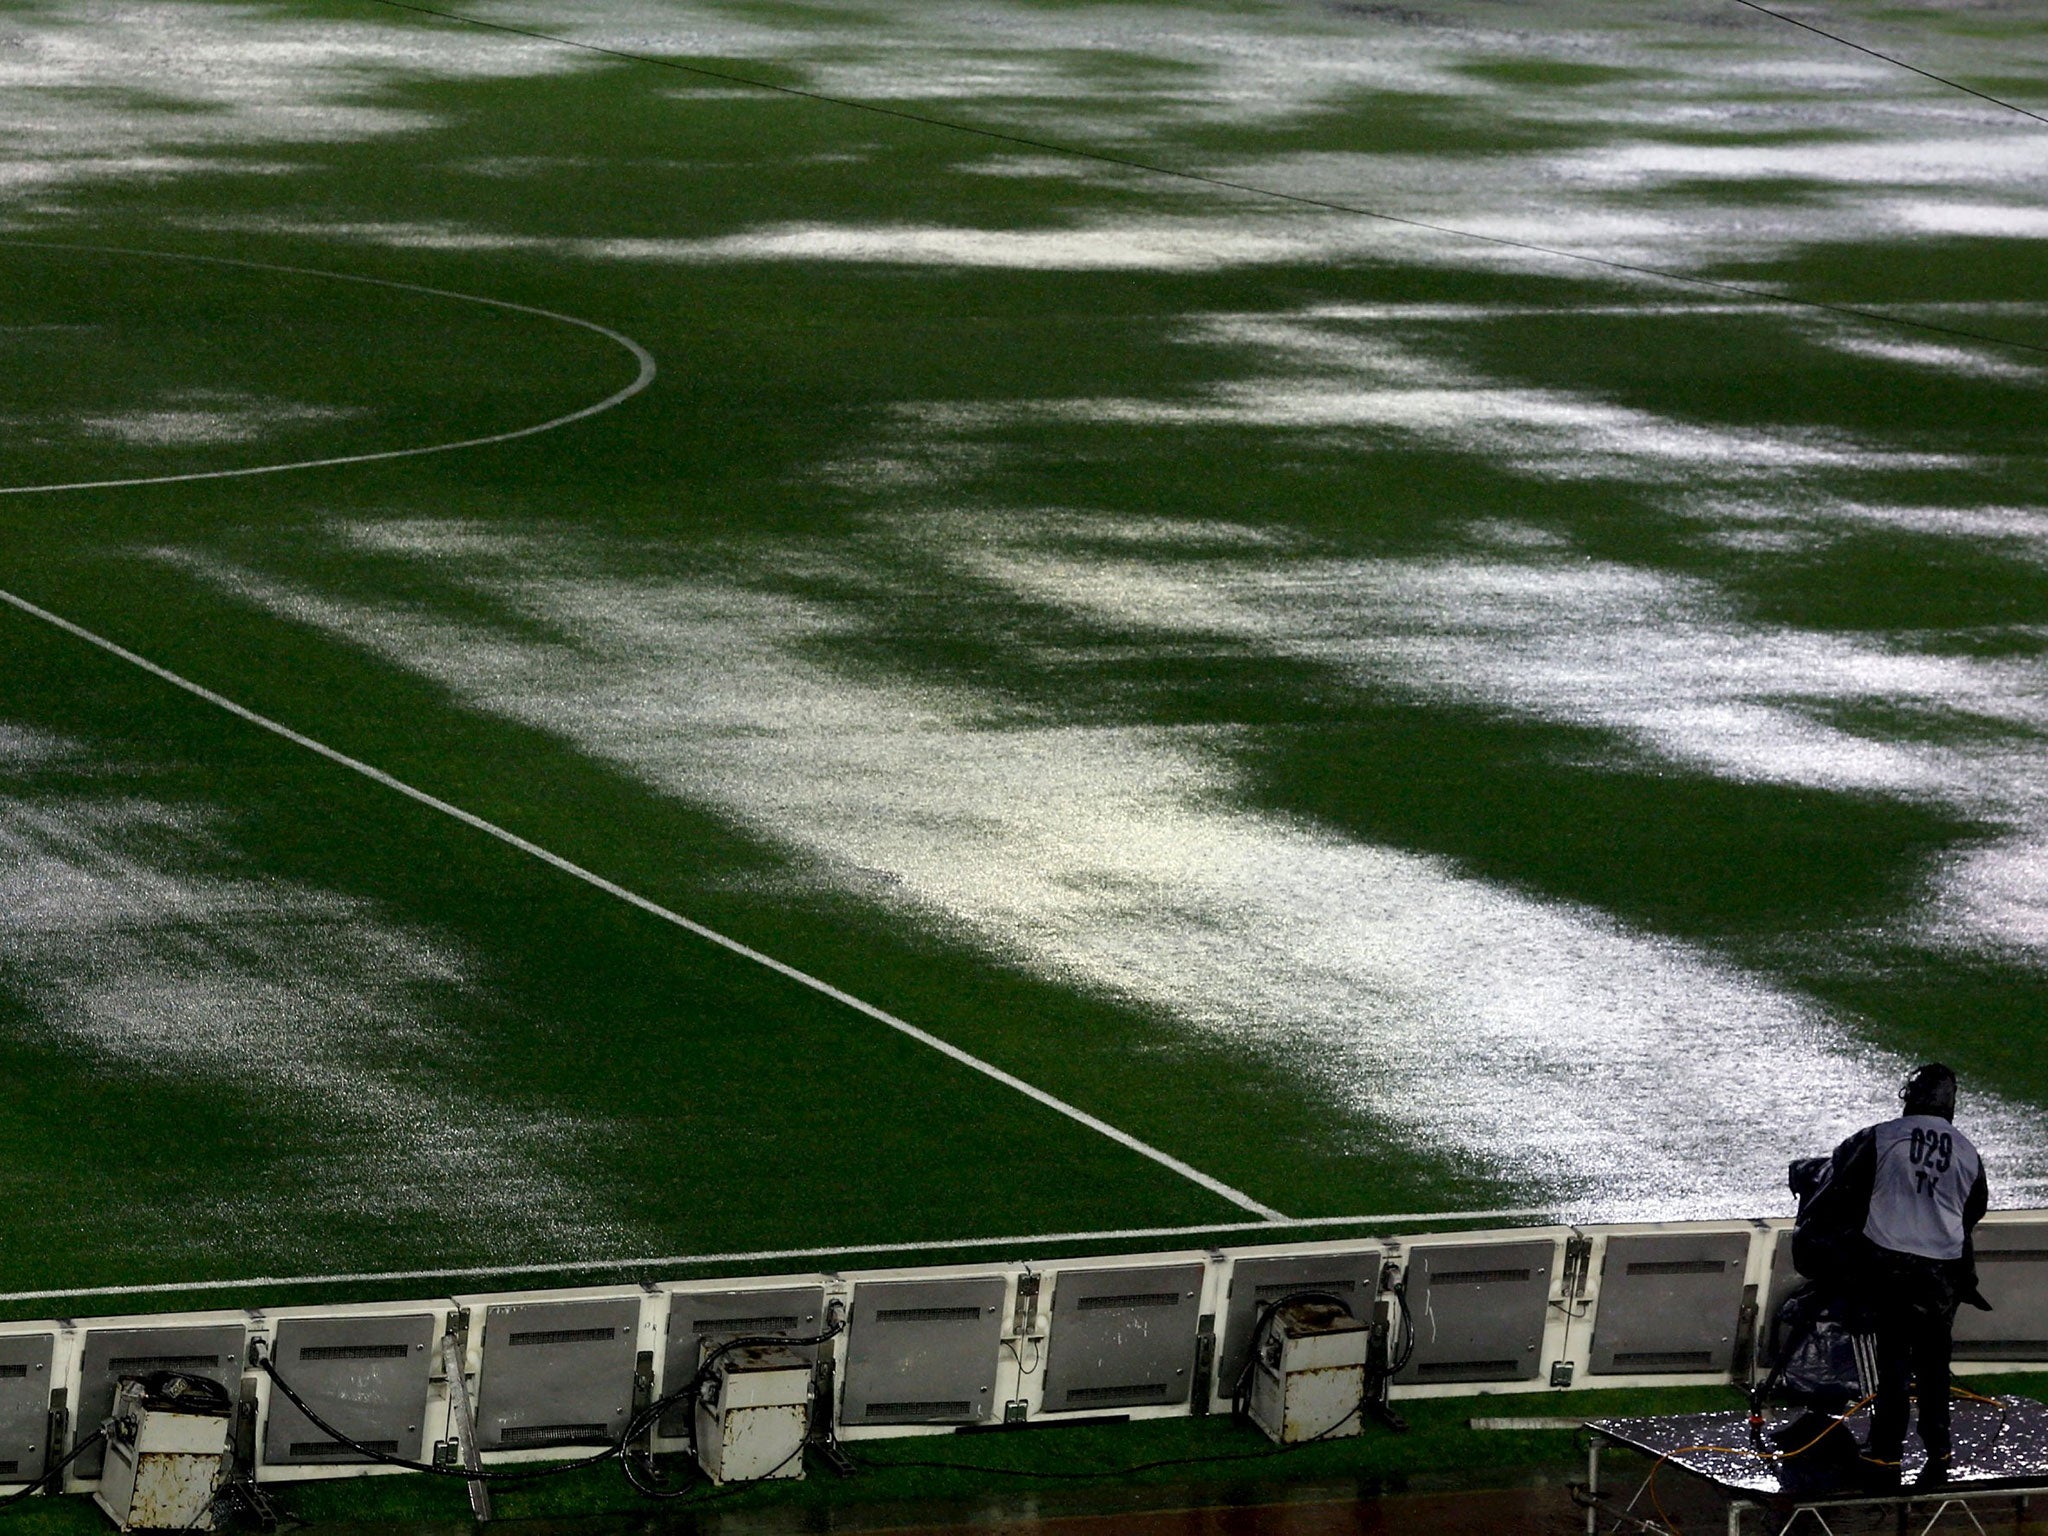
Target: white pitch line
988 1069
641 380
679 1260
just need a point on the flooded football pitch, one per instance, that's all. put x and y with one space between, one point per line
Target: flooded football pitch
1422 609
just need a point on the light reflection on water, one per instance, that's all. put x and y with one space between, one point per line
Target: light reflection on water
1542 1042
1622 1074
301 998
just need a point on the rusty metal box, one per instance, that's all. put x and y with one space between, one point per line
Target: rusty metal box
24 1404
557 1373
1670 1303
1353 1278
1122 1338
367 1376
1478 1311
923 1351
214 1352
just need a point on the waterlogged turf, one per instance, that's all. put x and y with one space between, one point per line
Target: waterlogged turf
1395 721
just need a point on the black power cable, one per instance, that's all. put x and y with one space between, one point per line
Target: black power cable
1327 205
1142 1466
620 1448
77 1451
1241 1389
1239 1395
1894 59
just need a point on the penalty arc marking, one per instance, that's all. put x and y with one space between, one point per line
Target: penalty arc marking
590 877
643 376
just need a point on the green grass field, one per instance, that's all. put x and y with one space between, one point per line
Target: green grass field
1395 722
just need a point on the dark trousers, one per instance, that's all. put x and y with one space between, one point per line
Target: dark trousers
1913 1322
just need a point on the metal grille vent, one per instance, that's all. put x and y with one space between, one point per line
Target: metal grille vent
563 1336
926 1315
1678 1267
705 1325
139 1365
1480 1276
919 1410
9 1466
1342 1287
16 1371
335 1449
1460 1370
1153 1389
1126 1303
552 1434
1663 1360
2012 1255
353 1352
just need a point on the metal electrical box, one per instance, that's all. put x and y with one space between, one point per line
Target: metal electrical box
213 1352
1478 1311
753 1415
1308 1380
1670 1302
165 1458
1353 1278
923 1351
557 1373
25 1404
2012 1272
699 1317
1122 1338
367 1376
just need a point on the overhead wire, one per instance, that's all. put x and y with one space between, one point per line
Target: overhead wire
1226 183
1891 58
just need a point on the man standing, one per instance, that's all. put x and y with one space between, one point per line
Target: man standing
1922 1184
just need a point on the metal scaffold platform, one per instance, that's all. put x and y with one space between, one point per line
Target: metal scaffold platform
1801 1473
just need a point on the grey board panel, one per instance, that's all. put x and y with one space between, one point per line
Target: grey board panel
923 1351
367 1376
557 1373
2012 1272
1669 1303
1122 1338
697 1316
1478 1311
110 1353
24 1404
1353 1278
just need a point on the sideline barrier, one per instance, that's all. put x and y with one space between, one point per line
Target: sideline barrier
931 1350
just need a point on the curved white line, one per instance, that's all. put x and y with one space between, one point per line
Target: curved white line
641 380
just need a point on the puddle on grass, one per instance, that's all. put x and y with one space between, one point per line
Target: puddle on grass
1578 1059
127 954
1623 1075
203 418
1538 1505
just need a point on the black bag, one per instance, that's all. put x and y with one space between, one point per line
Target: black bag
1813 1341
